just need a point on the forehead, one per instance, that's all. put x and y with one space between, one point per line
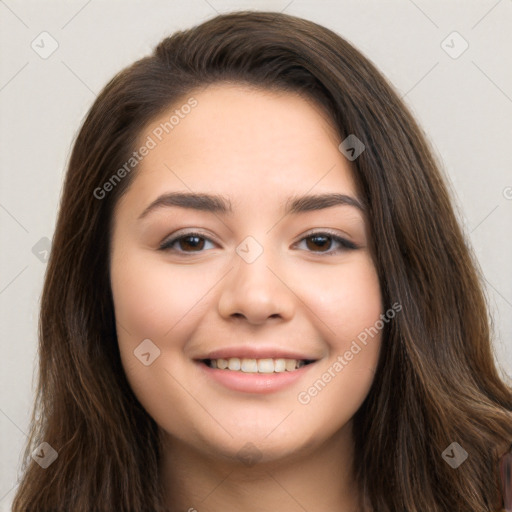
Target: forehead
245 143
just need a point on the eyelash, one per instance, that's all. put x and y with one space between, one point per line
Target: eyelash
166 245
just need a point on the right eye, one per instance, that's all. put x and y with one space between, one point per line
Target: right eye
191 240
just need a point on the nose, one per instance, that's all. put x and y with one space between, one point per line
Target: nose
257 291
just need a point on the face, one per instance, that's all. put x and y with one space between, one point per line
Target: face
253 274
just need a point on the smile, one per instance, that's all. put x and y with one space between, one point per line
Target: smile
246 365
255 376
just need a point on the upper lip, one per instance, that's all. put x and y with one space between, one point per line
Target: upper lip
256 353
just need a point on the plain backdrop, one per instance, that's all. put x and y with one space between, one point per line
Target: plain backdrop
459 87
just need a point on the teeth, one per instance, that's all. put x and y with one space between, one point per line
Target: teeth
290 364
265 365
250 366
279 365
234 363
257 365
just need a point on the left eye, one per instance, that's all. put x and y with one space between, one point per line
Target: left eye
196 241
320 240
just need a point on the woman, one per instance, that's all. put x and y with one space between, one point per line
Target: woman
259 296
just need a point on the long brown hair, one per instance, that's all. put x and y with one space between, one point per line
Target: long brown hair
436 382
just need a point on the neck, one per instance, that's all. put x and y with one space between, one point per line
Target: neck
317 479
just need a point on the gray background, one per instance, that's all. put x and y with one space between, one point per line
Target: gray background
464 104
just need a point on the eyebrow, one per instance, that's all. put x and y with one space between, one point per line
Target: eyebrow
219 204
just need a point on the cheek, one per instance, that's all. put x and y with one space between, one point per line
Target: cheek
157 301
151 298
152 301
346 297
348 300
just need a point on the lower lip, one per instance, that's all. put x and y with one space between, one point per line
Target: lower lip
261 383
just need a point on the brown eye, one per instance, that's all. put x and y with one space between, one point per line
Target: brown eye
187 243
322 242
195 243
317 243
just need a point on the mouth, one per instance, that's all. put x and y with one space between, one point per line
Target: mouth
262 375
264 366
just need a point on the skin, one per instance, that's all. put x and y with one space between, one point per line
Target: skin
257 148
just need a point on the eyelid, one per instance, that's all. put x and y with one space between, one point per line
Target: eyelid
323 231
174 237
345 242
